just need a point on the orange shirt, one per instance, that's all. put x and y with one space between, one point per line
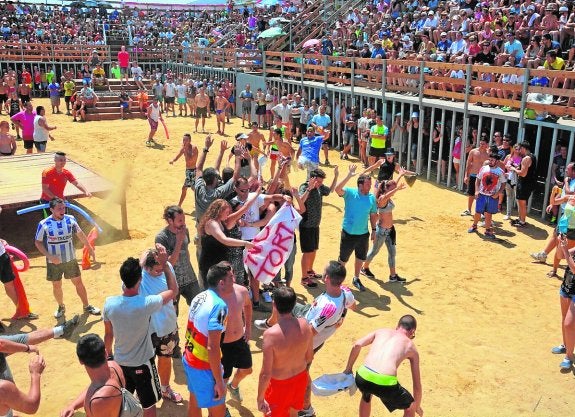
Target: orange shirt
56 181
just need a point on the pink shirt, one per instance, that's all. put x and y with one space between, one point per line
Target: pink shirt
27 121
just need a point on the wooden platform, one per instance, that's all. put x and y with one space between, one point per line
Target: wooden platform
21 181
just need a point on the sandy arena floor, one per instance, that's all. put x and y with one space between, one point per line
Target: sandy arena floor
487 315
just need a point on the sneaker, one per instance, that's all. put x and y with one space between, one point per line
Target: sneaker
357 284
29 316
539 256
327 162
306 412
235 393
566 364
171 395
489 234
95 311
481 223
60 311
506 217
397 278
559 350
472 229
69 325
267 297
262 308
466 213
366 272
261 324
308 282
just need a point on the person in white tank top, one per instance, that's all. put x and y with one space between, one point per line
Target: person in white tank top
154 116
41 130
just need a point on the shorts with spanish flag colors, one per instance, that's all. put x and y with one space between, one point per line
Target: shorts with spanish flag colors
284 394
208 312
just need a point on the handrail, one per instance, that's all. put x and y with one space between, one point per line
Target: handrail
423 79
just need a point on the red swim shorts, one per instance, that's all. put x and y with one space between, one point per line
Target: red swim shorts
284 394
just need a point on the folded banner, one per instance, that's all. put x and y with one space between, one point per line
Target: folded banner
273 245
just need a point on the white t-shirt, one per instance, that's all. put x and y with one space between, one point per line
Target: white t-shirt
251 216
326 312
40 134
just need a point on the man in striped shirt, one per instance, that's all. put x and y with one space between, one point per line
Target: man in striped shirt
54 240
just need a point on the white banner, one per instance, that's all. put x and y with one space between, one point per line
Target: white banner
273 245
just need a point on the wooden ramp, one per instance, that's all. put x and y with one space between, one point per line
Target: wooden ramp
21 181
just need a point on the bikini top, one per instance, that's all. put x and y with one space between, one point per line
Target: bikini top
388 208
130 405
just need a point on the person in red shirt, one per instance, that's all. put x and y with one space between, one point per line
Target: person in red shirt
26 77
124 61
54 180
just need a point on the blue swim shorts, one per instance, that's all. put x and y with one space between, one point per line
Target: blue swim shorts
201 383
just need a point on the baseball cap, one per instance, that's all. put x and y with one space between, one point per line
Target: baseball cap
240 136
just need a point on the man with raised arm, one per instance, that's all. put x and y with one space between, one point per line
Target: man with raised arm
378 374
359 207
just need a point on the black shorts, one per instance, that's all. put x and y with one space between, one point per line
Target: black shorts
28 144
524 190
471 185
377 152
170 100
201 112
163 345
353 243
69 269
261 110
309 239
67 99
144 381
394 397
236 355
3 98
25 98
6 272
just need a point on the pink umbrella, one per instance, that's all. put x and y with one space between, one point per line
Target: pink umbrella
311 42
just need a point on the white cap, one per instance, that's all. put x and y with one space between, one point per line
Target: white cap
415 114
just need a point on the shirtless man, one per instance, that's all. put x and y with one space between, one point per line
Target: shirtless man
202 103
235 347
104 396
11 81
191 93
3 95
475 161
221 104
7 141
13 107
287 353
190 153
255 138
278 145
24 93
378 375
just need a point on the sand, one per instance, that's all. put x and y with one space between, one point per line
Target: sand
487 315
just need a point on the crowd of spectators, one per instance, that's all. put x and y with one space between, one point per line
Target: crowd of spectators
518 32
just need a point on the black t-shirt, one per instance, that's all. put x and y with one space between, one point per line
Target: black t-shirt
484 58
386 171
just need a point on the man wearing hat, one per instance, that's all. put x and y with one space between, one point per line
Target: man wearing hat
390 166
488 186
